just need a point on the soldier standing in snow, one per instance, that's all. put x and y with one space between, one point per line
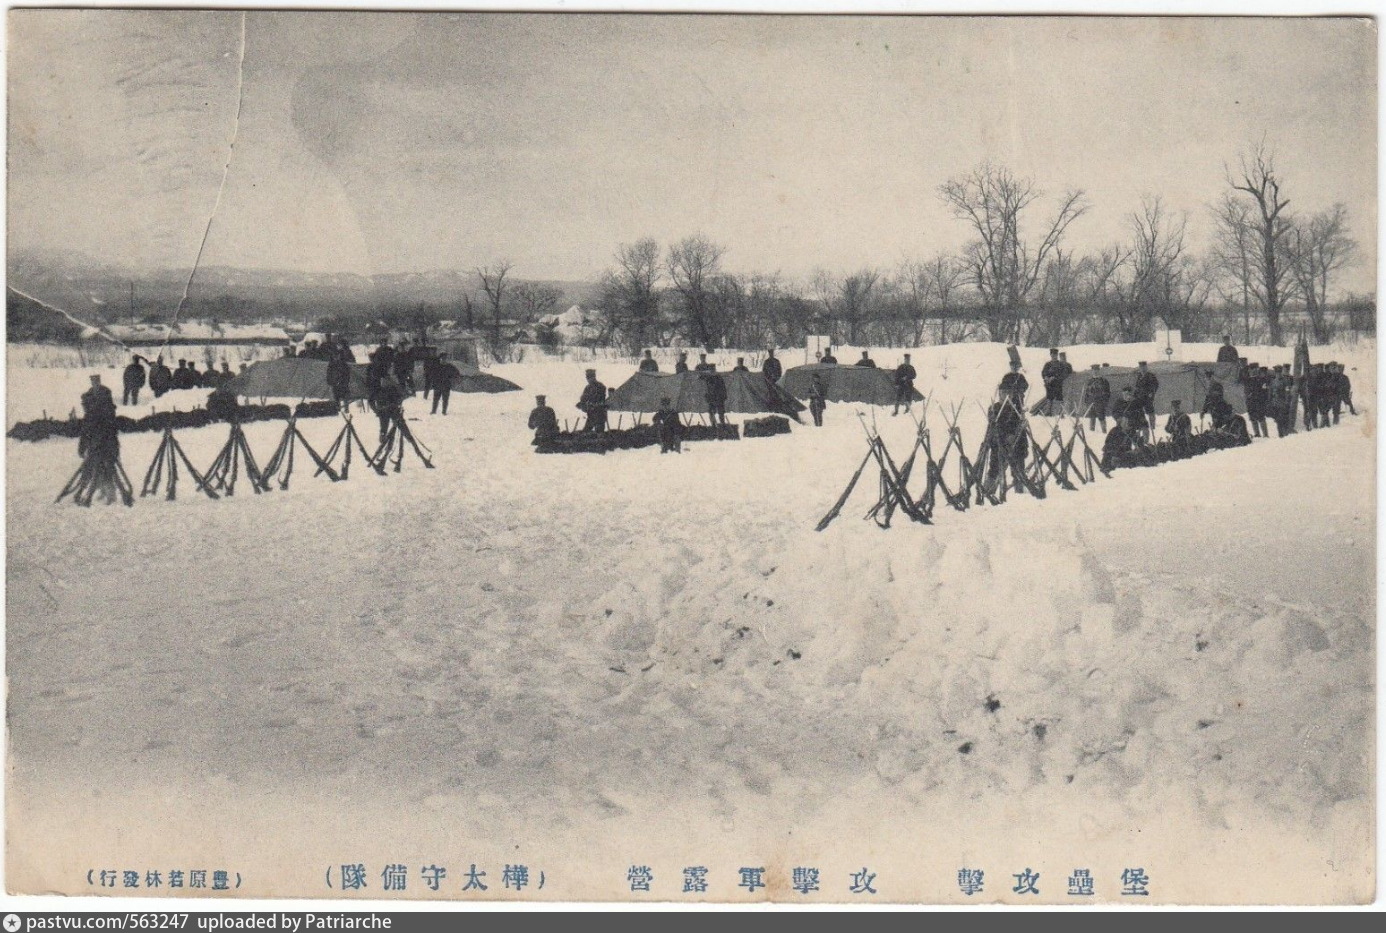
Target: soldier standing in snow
771 368
593 403
740 366
904 385
1146 385
1053 375
818 399
666 420
160 377
442 373
648 364
133 380
1097 397
1256 386
866 360
388 403
1014 385
1227 353
716 394
682 365
703 365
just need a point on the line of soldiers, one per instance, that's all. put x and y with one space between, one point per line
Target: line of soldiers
162 380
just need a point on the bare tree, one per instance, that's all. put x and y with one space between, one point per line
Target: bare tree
1157 269
693 263
533 300
1232 255
848 301
1002 264
1318 247
494 285
1270 222
631 293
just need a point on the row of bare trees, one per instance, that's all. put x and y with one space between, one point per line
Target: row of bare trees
1014 279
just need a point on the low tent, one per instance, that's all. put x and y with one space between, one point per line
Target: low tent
747 394
293 377
845 383
1187 382
471 379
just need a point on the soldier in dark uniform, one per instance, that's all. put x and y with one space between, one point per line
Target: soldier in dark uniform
1325 385
225 375
1342 391
1014 385
648 364
1256 386
818 399
1179 426
716 394
403 366
1227 353
543 422
1120 442
133 380
1127 407
771 368
703 365
593 403
1144 389
1097 397
182 378
904 385
866 360
1216 393
1006 434
160 377
387 401
827 359
1282 400
740 366
441 372
339 380
670 428
682 365
99 441
1053 375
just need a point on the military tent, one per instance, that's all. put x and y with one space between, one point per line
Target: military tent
747 393
293 377
1187 382
844 383
471 379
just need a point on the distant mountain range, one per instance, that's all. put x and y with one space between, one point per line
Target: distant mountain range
92 289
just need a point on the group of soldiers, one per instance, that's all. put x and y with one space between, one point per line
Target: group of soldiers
162 380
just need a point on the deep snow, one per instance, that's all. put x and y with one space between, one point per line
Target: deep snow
590 662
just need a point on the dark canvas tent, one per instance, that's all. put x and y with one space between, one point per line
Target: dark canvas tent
845 383
747 394
471 379
1187 382
293 377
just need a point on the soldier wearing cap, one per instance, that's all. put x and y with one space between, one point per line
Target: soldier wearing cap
1097 397
666 420
1053 374
1146 385
593 403
682 365
648 364
543 422
904 385
1014 385
1179 427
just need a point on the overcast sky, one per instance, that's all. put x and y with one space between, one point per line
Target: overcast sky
407 142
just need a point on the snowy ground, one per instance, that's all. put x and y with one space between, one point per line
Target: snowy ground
587 662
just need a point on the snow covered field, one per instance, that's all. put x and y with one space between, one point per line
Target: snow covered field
587 662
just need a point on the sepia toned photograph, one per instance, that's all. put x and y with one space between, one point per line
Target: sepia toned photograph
648 458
